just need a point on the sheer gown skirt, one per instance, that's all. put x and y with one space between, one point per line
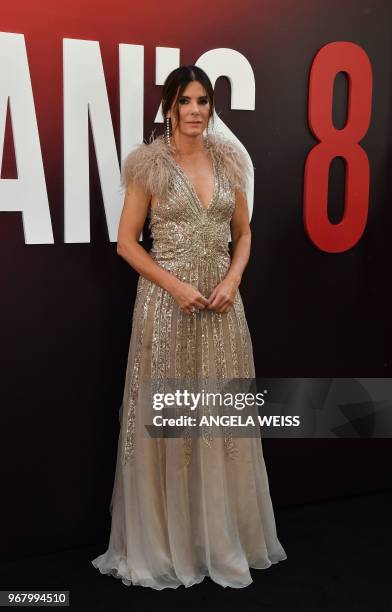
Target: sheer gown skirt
185 509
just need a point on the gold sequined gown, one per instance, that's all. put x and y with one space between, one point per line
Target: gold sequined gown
185 509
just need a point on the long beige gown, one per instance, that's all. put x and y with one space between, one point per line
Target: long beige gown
185 508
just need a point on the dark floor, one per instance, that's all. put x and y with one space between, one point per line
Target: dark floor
339 558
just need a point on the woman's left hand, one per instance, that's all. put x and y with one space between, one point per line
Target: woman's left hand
222 297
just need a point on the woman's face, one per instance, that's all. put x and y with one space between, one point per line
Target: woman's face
194 110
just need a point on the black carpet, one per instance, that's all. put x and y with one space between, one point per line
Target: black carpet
339 559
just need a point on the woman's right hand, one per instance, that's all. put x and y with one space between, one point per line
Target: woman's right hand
188 298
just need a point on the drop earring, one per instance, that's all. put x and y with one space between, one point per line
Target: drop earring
207 142
206 139
168 131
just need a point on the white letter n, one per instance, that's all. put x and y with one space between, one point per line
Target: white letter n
85 96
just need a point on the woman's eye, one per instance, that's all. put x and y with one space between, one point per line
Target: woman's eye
184 101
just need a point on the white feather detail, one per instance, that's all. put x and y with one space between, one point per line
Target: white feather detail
151 164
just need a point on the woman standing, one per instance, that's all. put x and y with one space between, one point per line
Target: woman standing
184 508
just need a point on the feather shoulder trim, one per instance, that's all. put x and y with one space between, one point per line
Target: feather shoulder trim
151 164
233 161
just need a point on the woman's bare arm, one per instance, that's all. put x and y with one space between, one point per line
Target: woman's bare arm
241 238
133 216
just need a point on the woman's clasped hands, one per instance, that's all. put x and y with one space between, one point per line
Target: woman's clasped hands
190 300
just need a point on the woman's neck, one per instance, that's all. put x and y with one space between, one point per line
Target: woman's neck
186 146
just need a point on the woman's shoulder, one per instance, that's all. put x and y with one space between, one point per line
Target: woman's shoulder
148 165
233 160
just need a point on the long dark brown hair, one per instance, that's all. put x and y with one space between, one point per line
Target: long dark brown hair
177 81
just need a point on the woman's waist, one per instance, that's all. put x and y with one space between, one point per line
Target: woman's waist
203 261
181 255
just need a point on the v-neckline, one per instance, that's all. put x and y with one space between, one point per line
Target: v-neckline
192 187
